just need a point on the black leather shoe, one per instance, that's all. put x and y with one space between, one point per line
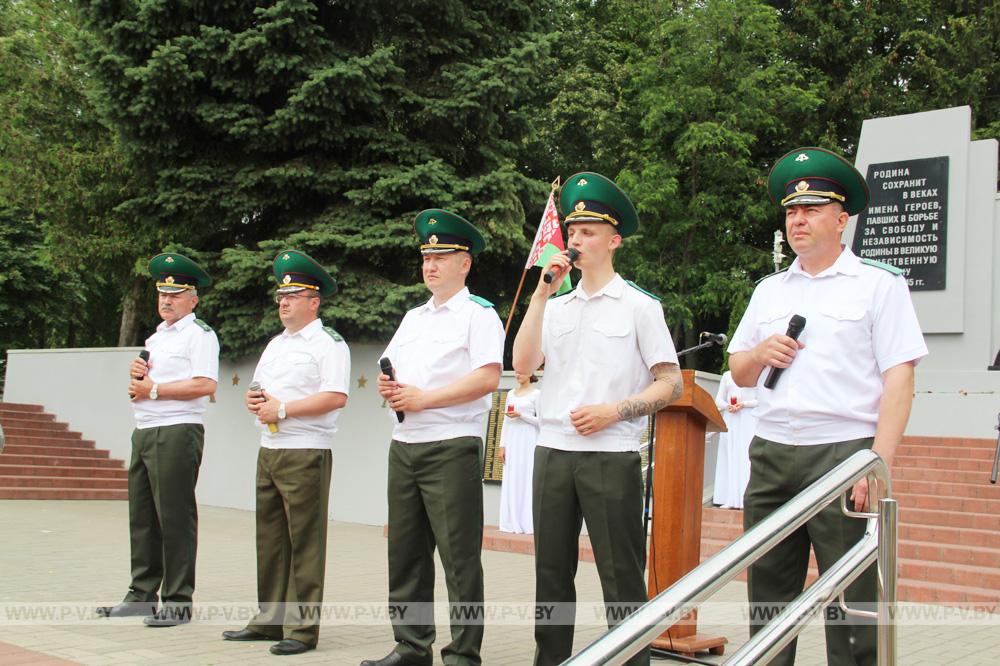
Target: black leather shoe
395 659
291 646
128 609
169 617
245 635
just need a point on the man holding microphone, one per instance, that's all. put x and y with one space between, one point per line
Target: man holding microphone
831 343
300 384
609 362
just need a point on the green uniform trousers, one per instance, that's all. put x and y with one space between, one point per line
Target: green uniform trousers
436 499
778 472
163 513
605 489
293 499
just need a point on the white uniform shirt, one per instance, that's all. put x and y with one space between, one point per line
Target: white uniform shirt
859 323
298 365
599 349
433 347
182 350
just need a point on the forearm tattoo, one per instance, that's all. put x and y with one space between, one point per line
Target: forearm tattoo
662 372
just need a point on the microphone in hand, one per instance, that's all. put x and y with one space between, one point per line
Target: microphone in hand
255 386
144 355
572 254
386 365
795 326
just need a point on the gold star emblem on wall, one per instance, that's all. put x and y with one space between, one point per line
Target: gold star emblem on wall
362 381
236 380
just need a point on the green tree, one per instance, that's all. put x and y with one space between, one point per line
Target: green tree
325 127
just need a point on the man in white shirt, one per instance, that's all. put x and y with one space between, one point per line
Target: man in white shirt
447 355
847 385
609 363
169 394
299 387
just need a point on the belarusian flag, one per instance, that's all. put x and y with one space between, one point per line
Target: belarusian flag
548 241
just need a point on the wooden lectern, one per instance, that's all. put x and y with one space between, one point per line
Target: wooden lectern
678 481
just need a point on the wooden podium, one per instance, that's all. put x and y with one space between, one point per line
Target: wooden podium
678 481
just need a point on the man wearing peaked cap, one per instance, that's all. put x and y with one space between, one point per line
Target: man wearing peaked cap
169 393
446 355
609 362
846 385
298 389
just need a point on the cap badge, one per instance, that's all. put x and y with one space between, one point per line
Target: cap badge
582 181
802 157
286 257
169 260
802 186
287 278
433 240
432 221
580 206
170 279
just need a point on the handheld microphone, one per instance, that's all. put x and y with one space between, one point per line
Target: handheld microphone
144 355
795 326
386 365
255 386
573 254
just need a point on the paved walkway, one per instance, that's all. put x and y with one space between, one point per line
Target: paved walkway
73 555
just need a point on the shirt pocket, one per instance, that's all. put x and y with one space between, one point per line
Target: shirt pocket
846 323
773 320
171 363
305 367
612 339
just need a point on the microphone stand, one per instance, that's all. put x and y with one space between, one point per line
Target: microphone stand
703 345
996 456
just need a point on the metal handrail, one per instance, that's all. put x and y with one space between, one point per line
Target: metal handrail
879 543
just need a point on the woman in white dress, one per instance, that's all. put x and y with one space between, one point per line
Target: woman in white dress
732 469
517 453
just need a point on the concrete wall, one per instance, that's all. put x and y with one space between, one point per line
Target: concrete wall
87 388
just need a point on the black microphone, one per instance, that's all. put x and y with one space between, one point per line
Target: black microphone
718 338
386 365
573 254
795 326
144 355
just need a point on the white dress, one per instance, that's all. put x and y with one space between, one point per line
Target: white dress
732 470
518 437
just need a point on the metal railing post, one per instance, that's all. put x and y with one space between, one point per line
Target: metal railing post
887 579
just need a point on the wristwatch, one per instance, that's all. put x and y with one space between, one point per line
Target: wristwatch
282 415
153 392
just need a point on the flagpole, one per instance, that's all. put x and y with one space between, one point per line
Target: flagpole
513 306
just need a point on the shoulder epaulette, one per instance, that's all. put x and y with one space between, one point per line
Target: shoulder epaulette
884 266
333 334
202 325
479 300
637 287
770 275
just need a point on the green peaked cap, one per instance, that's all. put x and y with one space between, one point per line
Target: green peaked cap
296 271
175 273
442 231
590 197
816 176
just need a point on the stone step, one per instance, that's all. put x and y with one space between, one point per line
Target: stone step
62 482
40 436
59 461
944 463
944 503
34 417
34 424
970 452
942 475
983 490
20 407
51 450
62 494
48 470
